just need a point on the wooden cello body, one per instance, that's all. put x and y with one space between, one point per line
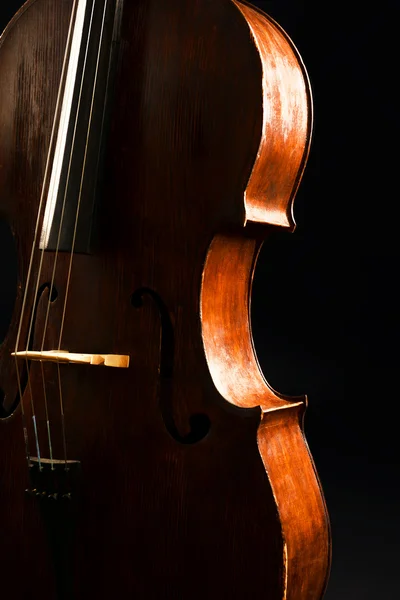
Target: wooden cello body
182 475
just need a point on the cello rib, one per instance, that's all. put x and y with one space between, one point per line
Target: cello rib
305 530
299 500
225 306
286 127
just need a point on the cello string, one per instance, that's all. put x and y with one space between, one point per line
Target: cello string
30 265
50 191
63 428
56 253
83 170
74 234
47 417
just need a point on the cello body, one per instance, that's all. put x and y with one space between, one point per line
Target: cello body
185 475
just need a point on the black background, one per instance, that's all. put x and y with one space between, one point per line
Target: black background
325 298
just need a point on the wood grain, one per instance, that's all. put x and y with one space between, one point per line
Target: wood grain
188 458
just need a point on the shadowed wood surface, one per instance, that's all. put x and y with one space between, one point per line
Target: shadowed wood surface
172 496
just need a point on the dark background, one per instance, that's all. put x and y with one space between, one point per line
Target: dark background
325 298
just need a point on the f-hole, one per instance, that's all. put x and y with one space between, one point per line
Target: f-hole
8 406
199 423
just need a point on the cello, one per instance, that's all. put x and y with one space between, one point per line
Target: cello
147 151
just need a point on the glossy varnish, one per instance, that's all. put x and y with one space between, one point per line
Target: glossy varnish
190 476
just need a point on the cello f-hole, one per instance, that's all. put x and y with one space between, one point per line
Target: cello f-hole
8 406
199 424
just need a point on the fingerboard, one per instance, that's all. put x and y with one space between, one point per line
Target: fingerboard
81 125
